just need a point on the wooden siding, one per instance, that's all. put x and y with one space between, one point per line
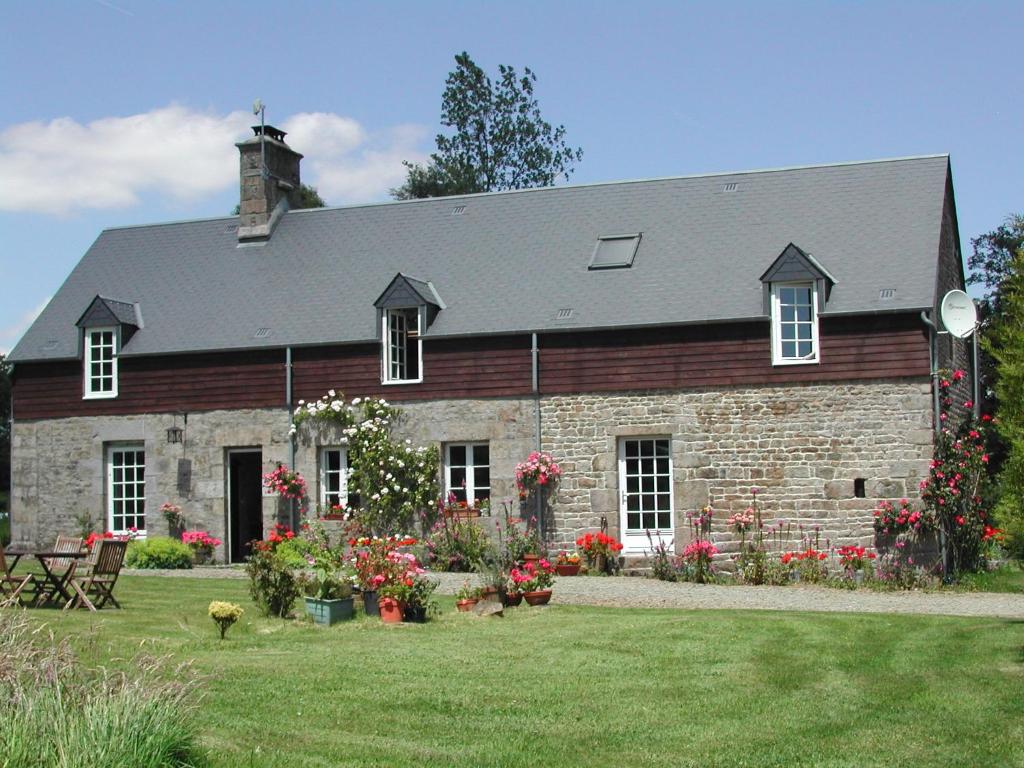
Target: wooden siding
186 383
852 349
497 366
725 355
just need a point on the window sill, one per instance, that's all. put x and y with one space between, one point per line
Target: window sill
389 383
99 396
795 362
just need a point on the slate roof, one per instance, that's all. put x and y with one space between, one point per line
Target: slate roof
510 261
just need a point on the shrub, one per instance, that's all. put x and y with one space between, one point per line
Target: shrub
54 713
272 584
455 545
158 552
224 615
295 553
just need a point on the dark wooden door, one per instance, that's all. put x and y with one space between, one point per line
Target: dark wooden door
245 501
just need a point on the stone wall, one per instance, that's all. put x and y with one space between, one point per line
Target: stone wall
803 446
58 468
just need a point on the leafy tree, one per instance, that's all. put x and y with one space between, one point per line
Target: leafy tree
499 139
309 198
1005 343
992 260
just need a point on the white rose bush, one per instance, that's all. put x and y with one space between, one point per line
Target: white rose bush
396 482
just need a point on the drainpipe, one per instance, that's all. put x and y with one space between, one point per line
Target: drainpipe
535 356
933 354
291 438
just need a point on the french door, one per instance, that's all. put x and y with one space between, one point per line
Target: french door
645 492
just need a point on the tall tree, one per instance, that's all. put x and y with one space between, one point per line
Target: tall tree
499 140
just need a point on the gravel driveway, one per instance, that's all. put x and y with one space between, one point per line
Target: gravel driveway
632 591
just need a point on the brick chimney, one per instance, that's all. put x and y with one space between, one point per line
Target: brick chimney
267 190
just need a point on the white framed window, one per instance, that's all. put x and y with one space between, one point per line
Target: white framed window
334 472
126 488
645 485
403 348
794 323
467 471
100 362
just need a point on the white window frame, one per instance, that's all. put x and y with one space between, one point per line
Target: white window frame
470 467
344 473
636 541
777 357
112 486
90 392
410 336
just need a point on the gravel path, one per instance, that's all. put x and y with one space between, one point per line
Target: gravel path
631 591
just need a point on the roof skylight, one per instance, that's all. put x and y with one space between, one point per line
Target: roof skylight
615 251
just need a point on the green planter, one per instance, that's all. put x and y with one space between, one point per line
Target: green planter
329 612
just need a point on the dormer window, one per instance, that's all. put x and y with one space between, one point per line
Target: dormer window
107 325
101 347
796 288
403 348
407 308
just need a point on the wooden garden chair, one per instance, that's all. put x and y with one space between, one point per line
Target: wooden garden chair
99 582
11 585
60 569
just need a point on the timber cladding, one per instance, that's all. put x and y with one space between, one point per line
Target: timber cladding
684 357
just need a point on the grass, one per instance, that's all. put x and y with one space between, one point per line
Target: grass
567 686
1006 578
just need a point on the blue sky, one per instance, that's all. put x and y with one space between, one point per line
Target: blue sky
119 112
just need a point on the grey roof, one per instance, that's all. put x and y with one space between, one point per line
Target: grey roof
510 261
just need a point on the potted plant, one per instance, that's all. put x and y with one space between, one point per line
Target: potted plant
598 548
328 596
513 592
467 597
567 563
392 598
418 603
453 509
534 580
202 545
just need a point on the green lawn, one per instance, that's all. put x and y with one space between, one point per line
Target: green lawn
565 686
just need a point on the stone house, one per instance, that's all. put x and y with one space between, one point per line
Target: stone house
672 342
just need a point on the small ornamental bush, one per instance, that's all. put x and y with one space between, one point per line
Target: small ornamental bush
532 577
853 558
455 545
158 552
810 564
697 558
272 584
224 615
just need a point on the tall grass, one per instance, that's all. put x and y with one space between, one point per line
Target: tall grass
56 714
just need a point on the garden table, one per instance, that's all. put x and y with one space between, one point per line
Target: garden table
44 556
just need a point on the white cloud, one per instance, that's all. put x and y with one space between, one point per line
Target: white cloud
63 165
9 336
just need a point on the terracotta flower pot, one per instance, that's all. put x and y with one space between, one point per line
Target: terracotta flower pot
566 569
540 597
391 610
513 598
465 606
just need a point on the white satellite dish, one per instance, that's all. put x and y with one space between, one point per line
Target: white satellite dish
959 314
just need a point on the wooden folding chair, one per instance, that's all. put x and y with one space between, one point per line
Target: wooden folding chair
11 585
99 583
61 569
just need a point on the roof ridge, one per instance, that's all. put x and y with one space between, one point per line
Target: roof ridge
587 185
